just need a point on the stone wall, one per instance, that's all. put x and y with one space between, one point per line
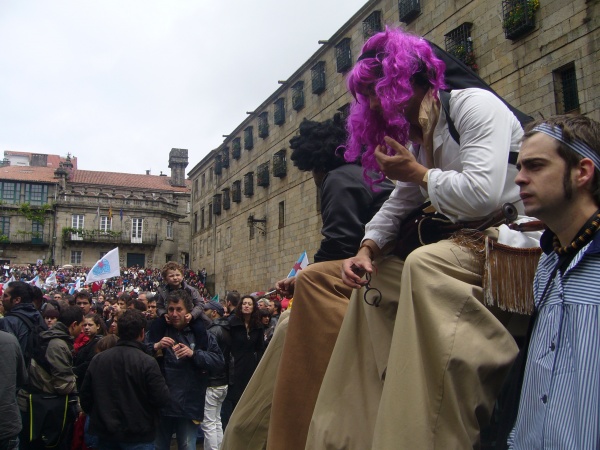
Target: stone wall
521 70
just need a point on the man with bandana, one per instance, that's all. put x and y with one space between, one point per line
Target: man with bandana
560 397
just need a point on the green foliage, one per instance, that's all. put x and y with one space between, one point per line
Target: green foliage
35 213
519 13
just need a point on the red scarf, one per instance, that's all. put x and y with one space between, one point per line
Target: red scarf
80 341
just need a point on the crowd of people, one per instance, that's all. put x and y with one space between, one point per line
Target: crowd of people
398 336
127 366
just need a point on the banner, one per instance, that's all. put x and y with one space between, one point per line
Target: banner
300 264
106 267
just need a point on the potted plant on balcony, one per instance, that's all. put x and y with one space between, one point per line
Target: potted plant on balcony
518 17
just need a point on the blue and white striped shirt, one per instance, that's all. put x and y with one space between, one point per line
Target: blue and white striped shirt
560 399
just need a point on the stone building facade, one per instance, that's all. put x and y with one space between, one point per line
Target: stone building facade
66 215
253 213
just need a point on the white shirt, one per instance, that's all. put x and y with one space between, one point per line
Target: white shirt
468 182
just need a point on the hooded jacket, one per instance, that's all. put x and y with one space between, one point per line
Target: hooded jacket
13 324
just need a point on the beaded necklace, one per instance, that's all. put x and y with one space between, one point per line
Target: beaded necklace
584 236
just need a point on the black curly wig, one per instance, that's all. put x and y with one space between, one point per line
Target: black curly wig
316 147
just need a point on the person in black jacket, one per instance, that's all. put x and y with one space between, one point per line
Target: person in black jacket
247 347
186 366
218 380
124 389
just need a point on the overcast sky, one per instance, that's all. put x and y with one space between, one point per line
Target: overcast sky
119 83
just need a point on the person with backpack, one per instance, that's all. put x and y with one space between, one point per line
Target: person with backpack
21 318
49 403
419 360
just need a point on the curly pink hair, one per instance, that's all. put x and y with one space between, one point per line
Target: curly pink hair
389 63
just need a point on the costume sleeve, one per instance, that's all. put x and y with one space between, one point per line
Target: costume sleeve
470 184
61 362
384 225
343 199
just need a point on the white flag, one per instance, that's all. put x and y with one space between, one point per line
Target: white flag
106 267
51 280
36 281
300 264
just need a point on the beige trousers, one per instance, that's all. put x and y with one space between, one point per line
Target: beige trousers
320 302
249 423
422 370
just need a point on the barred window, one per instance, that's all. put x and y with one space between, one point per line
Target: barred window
279 112
372 24
262 175
280 164
236 191
318 78
263 124
298 95
226 199
343 56
225 157
218 164
249 184
248 138
217 198
459 43
565 90
236 148
408 10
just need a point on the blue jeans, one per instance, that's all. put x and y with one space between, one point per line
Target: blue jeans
185 429
103 444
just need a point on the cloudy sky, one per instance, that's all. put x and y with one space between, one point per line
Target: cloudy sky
118 83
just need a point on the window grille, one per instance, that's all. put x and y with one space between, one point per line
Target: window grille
225 157
249 184
518 17
217 204
279 164
236 148
565 90
343 56
236 191
279 112
372 24
263 124
318 78
218 164
248 138
226 199
408 10
298 95
262 175
459 43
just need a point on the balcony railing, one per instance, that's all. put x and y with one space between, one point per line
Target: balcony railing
26 238
112 237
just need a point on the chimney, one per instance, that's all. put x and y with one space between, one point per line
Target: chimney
147 172
39 160
178 161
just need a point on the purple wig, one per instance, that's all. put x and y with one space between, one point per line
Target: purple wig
389 62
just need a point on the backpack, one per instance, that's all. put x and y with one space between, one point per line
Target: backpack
33 337
459 76
36 344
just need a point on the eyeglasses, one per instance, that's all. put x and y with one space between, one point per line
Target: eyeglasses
372 295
